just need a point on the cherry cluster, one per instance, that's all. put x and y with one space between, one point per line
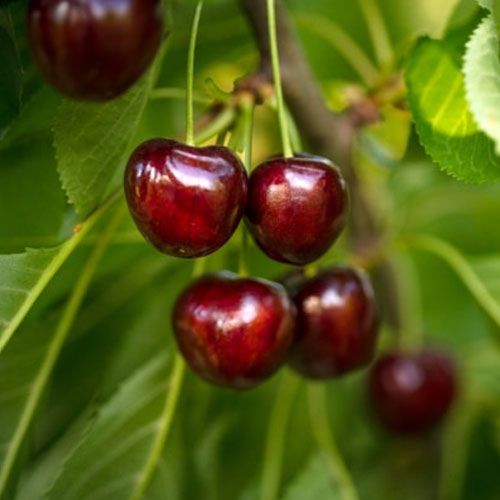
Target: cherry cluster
237 331
187 201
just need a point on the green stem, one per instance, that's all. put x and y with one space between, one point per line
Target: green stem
247 119
311 269
55 264
343 44
177 93
456 442
218 125
294 134
52 355
408 290
378 31
324 438
168 413
275 442
464 271
199 267
166 420
273 41
190 76
221 138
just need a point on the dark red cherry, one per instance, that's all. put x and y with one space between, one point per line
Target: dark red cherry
296 207
336 323
233 332
410 393
186 201
93 49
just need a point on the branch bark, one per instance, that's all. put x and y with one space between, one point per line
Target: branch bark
326 133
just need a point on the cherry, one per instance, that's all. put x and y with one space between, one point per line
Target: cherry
94 49
186 201
296 207
410 393
232 331
336 324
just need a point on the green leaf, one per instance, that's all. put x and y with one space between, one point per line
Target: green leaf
32 391
10 79
494 7
482 79
39 475
313 483
445 125
22 277
486 4
19 364
207 458
91 142
34 121
111 456
481 373
32 204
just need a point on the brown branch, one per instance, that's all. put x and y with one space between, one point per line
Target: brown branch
326 133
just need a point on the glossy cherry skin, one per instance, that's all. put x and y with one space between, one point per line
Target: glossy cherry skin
233 332
186 201
410 393
337 325
93 49
296 208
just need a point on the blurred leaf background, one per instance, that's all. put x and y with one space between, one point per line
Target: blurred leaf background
78 421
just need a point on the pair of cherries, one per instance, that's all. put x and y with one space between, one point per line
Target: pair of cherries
188 201
236 332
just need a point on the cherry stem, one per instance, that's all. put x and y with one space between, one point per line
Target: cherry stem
247 118
295 139
273 41
177 93
218 125
221 138
168 413
311 269
410 336
319 421
190 76
276 437
199 267
378 31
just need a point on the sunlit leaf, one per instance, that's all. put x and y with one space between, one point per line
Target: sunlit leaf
446 127
482 79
